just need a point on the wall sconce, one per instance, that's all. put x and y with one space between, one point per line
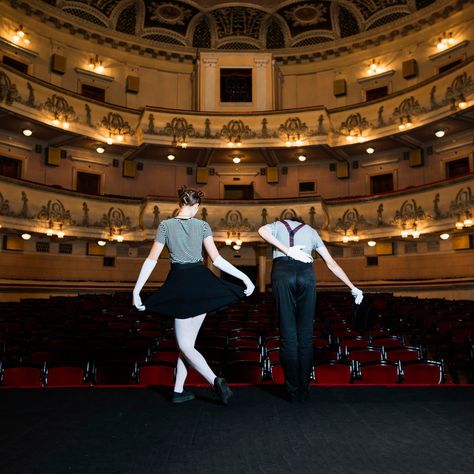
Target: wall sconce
116 127
62 112
294 131
405 122
374 68
115 234
179 129
350 238
234 141
20 36
460 102
464 222
410 231
445 41
233 239
95 64
50 231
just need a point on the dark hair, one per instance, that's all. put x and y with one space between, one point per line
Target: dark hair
189 196
294 218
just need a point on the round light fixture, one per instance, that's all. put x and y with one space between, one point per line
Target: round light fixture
302 158
371 243
440 133
236 159
370 150
27 132
100 150
26 236
444 236
101 243
171 157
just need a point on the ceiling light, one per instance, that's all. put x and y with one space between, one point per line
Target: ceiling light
171 157
371 243
302 158
444 236
440 133
236 159
370 150
27 132
100 150
26 236
236 247
101 243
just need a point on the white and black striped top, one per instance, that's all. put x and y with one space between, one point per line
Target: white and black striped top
183 237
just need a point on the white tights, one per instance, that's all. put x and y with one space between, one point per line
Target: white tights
186 331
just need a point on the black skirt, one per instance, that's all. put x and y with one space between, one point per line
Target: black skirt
191 289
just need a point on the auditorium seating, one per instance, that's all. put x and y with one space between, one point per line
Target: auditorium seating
100 340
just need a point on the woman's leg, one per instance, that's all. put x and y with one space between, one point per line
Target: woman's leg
186 331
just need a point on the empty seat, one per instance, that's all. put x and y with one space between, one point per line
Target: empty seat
156 373
423 372
379 372
244 372
65 376
333 372
365 354
21 377
403 354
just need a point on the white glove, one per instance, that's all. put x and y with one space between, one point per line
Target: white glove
227 267
147 267
358 295
296 252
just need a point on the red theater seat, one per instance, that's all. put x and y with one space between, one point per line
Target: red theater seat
333 372
423 372
379 372
21 377
65 376
402 354
156 373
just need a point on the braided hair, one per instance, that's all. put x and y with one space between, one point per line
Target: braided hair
189 196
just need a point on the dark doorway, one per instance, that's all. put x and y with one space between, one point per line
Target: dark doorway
10 167
381 183
91 92
457 167
88 183
236 85
238 191
377 93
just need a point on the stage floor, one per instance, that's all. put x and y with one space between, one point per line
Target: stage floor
340 430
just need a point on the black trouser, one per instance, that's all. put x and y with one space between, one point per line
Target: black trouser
294 288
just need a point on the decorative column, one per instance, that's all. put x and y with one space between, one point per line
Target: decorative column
261 83
208 84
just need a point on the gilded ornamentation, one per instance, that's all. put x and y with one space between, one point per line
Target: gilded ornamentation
461 86
8 90
88 115
55 213
115 125
409 213
293 130
354 125
179 129
264 217
463 203
351 220
5 206
408 106
85 214
151 124
204 214
236 130
156 217
235 222
115 221
59 108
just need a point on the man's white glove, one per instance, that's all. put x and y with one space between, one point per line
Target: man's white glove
296 252
147 267
227 267
358 295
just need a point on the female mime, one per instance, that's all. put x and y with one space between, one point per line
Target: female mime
191 290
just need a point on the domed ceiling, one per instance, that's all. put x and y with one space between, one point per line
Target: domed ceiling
239 25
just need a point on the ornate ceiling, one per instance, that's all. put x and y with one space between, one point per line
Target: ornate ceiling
238 26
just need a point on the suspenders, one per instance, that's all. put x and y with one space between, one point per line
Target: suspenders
292 232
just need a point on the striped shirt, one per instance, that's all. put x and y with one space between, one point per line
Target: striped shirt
184 238
306 236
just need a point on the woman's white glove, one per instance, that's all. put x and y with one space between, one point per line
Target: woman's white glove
296 252
227 267
147 267
358 295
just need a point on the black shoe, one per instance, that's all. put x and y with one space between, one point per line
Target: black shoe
222 389
184 396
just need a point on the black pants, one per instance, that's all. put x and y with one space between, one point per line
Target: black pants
294 290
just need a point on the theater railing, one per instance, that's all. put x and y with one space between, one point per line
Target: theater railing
427 209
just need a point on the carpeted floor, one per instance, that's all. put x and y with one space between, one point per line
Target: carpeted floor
387 430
